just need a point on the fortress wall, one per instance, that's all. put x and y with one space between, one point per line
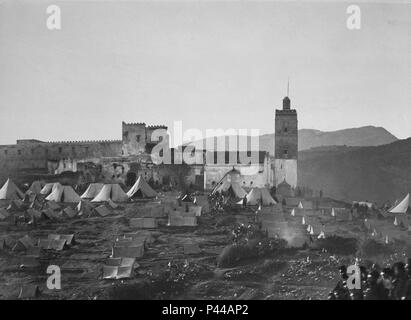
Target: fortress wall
35 155
251 176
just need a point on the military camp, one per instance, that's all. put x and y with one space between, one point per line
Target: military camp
107 234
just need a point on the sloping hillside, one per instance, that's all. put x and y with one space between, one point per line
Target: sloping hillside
358 173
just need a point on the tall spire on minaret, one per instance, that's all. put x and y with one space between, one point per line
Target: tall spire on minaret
286 100
288 87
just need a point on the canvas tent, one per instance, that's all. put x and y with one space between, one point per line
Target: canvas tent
36 187
141 189
92 191
69 212
63 194
233 188
111 191
117 272
101 211
402 207
10 191
259 196
230 183
48 188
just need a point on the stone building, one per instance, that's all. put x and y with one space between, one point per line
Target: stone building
124 160
286 145
139 138
254 174
277 170
35 154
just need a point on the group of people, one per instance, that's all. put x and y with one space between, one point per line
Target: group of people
390 283
218 201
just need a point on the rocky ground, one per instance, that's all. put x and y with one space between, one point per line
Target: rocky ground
165 272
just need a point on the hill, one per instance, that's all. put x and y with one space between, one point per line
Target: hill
358 173
309 138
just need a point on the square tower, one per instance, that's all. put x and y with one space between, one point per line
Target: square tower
134 138
286 144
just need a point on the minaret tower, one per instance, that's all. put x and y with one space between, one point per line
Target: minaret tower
286 144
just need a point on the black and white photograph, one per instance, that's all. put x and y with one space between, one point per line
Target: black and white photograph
210 151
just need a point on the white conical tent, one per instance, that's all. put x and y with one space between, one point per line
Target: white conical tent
10 191
259 196
402 207
300 206
233 186
293 212
111 191
63 194
332 212
229 182
141 189
36 187
395 222
48 188
312 230
92 191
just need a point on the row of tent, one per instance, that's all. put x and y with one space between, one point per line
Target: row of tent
96 192
256 196
259 196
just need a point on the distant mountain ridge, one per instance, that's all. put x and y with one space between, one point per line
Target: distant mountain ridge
310 138
354 137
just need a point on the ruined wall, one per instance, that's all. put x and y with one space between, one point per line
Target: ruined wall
126 170
52 157
137 138
134 138
251 175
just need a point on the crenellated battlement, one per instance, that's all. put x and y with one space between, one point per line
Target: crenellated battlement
33 153
83 142
287 111
161 126
134 123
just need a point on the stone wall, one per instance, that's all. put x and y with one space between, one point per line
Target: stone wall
251 175
33 154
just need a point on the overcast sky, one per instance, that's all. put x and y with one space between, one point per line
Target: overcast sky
209 64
